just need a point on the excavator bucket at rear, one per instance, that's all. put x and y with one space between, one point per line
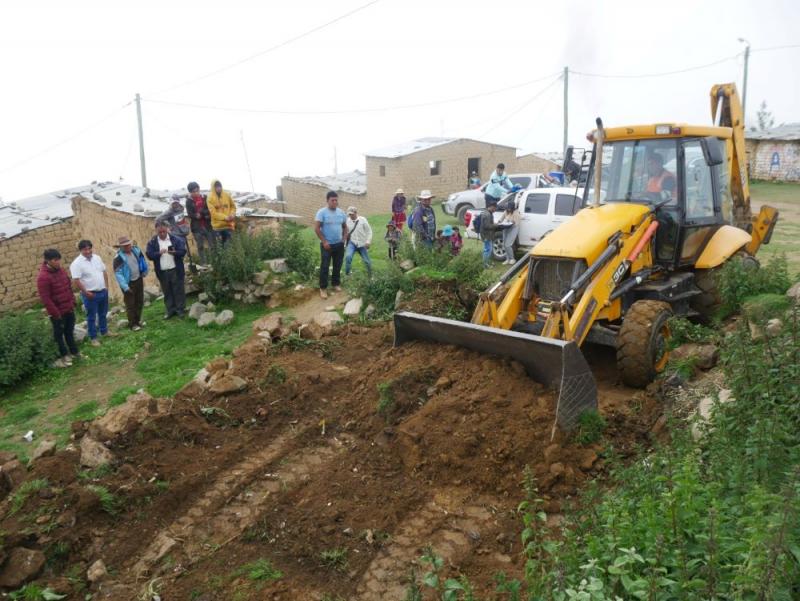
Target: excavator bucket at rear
548 361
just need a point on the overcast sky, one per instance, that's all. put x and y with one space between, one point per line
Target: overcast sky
68 65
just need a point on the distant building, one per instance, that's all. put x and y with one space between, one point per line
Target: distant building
774 154
304 196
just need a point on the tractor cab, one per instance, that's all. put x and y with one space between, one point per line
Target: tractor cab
684 176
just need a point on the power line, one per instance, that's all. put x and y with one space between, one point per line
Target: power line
354 110
65 140
661 74
271 48
786 47
521 107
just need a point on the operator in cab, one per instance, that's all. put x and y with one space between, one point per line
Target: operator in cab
659 179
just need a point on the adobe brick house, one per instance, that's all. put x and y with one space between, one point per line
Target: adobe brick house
304 196
774 154
441 165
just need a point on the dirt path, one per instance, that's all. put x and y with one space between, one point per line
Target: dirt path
313 305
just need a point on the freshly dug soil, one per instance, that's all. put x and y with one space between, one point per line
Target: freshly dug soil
338 463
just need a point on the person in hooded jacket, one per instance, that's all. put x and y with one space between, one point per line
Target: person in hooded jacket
200 220
55 291
130 269
223 212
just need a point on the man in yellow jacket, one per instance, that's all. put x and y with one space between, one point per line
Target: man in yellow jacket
223 212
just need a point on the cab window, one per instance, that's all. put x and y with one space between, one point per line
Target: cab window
697 182
522 182
537 204
567 204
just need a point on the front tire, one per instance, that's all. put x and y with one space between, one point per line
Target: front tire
642 342
708 302
498 250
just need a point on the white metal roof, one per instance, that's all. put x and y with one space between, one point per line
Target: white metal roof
418 145
353 182
38 211
785 131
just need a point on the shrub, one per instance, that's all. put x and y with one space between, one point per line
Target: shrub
26 347
236 261
381 289
287 244
739 280
763 307
590 427
682 331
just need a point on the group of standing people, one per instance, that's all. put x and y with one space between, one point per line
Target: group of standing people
211 220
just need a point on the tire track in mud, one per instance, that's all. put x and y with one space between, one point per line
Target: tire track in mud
232 504
448 522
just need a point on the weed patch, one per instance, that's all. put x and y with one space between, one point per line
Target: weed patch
120 395
590 427
25 490
260 570
334 559
109 502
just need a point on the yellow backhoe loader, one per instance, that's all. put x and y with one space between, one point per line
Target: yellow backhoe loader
669 206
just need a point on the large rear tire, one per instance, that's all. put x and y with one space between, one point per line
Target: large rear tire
708 302
642 342
461 212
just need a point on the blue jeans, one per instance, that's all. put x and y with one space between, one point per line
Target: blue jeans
96 309
487 252
348 258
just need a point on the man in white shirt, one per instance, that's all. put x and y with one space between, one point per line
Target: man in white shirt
90 276
359 238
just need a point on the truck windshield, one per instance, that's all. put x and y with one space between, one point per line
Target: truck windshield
640 171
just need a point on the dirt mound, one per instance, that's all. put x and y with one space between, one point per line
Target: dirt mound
338 462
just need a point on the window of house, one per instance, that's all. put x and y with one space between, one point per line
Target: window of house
382 170
435 167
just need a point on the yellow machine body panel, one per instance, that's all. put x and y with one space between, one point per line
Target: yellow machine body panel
676 130
725 243
586 235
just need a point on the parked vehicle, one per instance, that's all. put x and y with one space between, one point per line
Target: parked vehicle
541 211
459 203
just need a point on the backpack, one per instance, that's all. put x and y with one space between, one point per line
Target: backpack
476 223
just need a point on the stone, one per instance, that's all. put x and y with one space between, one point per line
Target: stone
239 286
116 203
587 459
261 278
238 296
80 334
269 323
312 331
216 366
22 565
705 356
151 292
137 408
46 448
278 265
94 454
353 307
327 320
330 308
443 382
228 384
224 318
262 292
774 327
138 208
557 469
407 265
196 310
702 415
250 299
794 293
265 338
370 311
97 571
398 299
551 452
659 426
206 319
14 473
210 306
202 297
756 333
122 323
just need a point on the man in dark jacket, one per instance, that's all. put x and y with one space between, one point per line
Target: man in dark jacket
200 218
55 290
424 220
488 230
166 251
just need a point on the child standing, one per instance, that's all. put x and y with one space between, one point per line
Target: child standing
456 242
392 238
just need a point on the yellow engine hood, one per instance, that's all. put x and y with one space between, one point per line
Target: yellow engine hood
586 235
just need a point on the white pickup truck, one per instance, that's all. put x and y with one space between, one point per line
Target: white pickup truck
458 203
541 211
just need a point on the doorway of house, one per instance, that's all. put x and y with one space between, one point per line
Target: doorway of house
473 164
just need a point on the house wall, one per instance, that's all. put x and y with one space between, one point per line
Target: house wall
305 199
21 258
412 172
774 160
530 163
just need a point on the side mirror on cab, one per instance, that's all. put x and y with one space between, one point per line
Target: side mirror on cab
712 151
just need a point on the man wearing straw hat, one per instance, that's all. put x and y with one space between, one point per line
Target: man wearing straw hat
424 220
130 268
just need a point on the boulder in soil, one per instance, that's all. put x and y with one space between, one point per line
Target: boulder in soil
22 565
97 571
370 311
774 327
122 323
151 293
353 307
206 319
278 265
228 385
261 278
269 323
80 334
196 310
794 293
407 265
216 366
312 331
202 297
224 318
705 356
46 448
13 473
328 320
136 409
94 454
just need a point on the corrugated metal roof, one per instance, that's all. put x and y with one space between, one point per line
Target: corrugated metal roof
785 131
406 148
38 211
353 182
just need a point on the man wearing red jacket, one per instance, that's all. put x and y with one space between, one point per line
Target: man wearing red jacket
55 290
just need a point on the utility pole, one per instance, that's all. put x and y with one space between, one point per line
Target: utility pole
335 162
566 109
247 161
744 81
141 139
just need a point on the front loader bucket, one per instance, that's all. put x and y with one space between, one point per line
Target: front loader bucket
548 361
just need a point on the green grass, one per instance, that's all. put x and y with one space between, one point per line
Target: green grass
260 570
110 503
786 237
334 559
120 395
25 490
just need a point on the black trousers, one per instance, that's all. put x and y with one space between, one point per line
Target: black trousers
64 333
335 255
174 292
134 302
